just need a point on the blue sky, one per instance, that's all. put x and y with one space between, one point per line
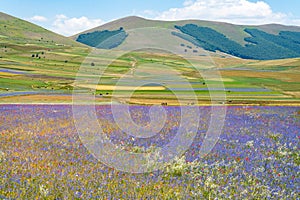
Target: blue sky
69 17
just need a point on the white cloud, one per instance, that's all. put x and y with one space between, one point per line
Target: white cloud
38 18
293 22
150 12
232 11
188 2
70 26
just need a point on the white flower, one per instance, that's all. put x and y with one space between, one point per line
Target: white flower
244 192
208 181
178 167
250 143
44 190
2 156
261 169
295 148
283 151
210 184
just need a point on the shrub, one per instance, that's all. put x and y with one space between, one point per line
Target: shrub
103 39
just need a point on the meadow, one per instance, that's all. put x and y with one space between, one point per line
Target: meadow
256 156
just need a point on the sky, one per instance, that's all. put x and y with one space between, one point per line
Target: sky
68 17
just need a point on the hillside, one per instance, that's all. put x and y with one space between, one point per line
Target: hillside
35 60
265 42
19 31
260 46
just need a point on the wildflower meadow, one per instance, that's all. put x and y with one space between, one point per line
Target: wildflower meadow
256 156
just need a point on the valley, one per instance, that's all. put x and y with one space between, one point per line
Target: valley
38 66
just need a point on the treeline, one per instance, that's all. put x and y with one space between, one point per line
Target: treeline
260 46
295 36
103 39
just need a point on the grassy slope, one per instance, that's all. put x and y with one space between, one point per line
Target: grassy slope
57 61
22 32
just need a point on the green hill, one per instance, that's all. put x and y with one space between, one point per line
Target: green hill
33 59
265 42
18 31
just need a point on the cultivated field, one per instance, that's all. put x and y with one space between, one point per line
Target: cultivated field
50 79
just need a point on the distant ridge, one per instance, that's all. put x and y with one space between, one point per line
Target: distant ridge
235 32
263 42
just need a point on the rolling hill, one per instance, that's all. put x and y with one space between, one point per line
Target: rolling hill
33 59
19 31
265 42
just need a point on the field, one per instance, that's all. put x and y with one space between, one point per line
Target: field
50 79
256 156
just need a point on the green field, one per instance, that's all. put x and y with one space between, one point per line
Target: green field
245 81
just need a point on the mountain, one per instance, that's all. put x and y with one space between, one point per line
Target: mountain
18 31
264 42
